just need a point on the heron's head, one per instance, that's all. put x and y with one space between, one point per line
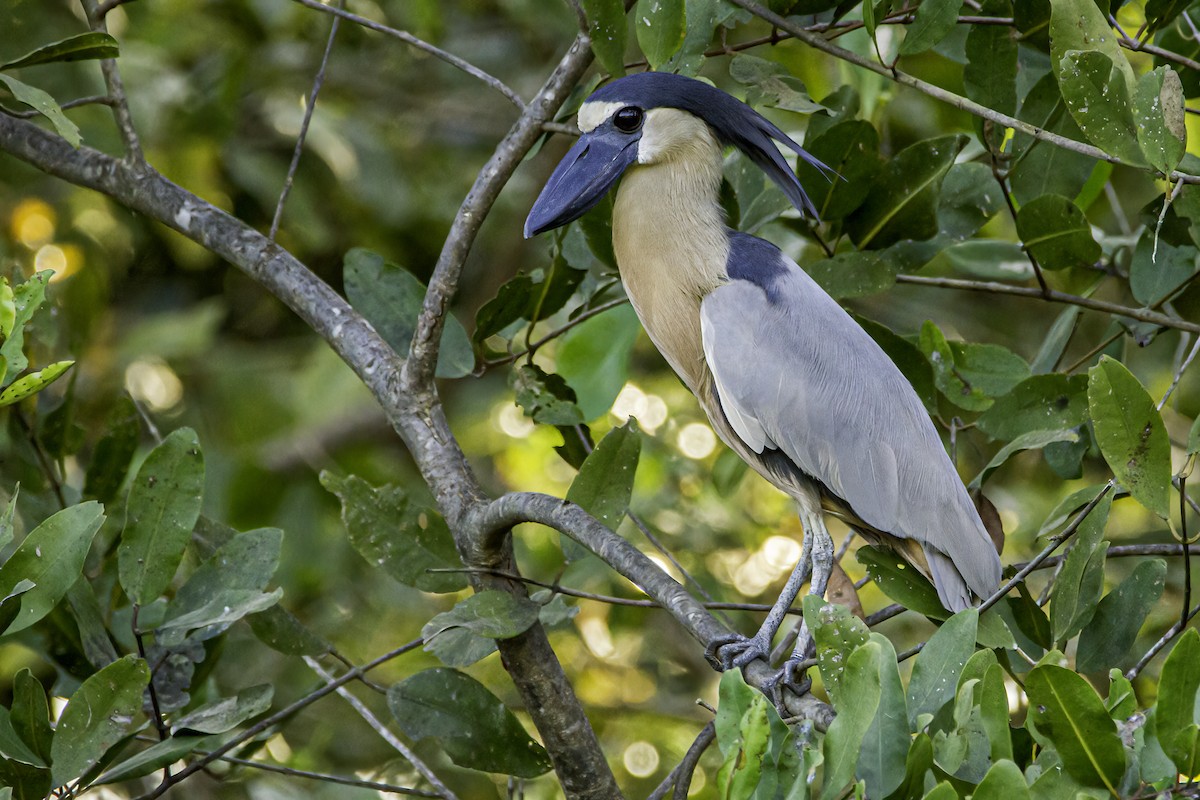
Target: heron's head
648 118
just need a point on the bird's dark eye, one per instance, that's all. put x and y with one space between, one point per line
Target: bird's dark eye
629 119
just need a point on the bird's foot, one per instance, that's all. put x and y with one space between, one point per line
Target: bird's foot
789 678
734 651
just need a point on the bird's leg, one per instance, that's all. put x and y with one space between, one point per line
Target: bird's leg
736 650
822 566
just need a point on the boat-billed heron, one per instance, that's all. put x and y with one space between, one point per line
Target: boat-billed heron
789 381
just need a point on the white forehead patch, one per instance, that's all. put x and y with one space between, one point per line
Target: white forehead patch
595 112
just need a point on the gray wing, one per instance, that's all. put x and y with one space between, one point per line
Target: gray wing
794 372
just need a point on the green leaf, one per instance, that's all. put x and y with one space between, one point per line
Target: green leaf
390 297
1033 440
225 587
593 358
1055 342
1122 702
34 382
660 27
31 714
1159 115
278 629
856 705
473 624
851 149
512 303
742 770
1177 687
1130 434
970 197
45 105
8 308
6 517
545 397
943 791
934 21
1070 714
1039 167
227 713
885 745
158 756
1158 268
990 74
703 17
604 484
903 202
1081 25
735 697
855 273
993 713
80 47
1081 579
89 618
1098 97
392 532
836 634
469 722
1109 637
113 453
12 746
606 26
759 200
916 766
27 298
1056 233
900 581
164 503
935 673
771 84
1004 781
1041 402
969 374
51 557
97 716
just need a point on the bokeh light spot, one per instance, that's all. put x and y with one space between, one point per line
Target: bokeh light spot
33 223
640 759
696 440
153 382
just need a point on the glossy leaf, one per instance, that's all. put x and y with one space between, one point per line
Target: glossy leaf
593 358
604 484
1033 440
606 26
970 197
1070 714
164 503
937 668
970 374
13 746
990 74
1109 637
900 581
1056 233
903 201
227 713
885 745
113 453
1054 343
466 633
513 302
1041 402
851 149
31 714
1081 25
1130 433
45 105
80 47
473 726
390 297
771 84
34 382
390 531
1004 781
660 26
993 713
836 634
98 715
27 298
1041 168
545 397
158 756
278 629
1158 268
1159 116
934 21
51 557
1177 688
856 705
1080 581
1099 98
855 273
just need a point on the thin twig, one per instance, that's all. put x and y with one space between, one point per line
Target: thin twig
1054 296
420 44
384 733
1162 642
681 776
93 100
1179 373
279 716
292 772
309 107
116 90
554 334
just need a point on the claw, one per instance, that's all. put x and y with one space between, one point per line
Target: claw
734 651
788 678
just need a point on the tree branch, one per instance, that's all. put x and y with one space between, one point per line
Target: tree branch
116 88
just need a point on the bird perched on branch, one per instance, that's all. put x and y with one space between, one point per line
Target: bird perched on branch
789 381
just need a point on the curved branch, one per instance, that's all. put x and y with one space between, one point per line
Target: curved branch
904 79
494 522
